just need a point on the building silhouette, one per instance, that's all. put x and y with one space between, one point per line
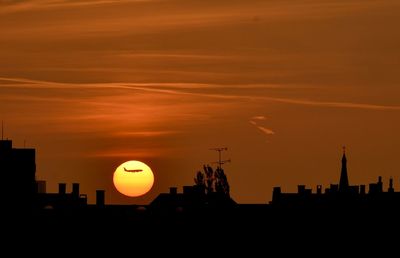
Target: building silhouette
341 195
344 179
17 169
21 190
191 198
306 218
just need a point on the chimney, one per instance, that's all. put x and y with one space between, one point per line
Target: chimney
62 188
301 189
319 189
362 189
380 184
40 186
100 198
173 190
391 189
277 190
276 194
75 189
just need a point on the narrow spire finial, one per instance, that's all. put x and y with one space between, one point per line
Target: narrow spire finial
344 179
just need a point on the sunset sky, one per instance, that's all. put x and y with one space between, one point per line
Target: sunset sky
283 84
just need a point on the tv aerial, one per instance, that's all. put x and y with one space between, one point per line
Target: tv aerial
220 162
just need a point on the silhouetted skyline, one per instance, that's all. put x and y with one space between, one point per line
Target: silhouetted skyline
201 212
210 190
282 84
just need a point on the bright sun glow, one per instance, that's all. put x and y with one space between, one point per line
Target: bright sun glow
133 178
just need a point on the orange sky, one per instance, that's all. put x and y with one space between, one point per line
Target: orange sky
282 84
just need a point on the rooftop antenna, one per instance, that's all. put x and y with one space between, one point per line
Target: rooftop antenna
220 162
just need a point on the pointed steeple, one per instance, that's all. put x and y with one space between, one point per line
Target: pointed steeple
344 180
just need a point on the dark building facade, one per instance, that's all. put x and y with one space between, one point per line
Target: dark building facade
17 169
62 200
192 197
19 188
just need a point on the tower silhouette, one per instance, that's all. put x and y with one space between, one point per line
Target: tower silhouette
18 171
344 180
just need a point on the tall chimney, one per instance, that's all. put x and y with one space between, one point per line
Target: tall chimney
380 184
173 190
276 194
100 198
362 189
319 189
62 188
75 189
391 189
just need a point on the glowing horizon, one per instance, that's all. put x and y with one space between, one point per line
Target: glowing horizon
283 85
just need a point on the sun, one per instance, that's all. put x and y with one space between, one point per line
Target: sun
133 178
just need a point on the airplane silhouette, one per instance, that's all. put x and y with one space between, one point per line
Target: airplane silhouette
133 170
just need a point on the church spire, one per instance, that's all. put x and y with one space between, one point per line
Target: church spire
344 180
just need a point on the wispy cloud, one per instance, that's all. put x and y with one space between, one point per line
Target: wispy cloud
135 79
144 133
184 90
256 120
133 153
333 104
172 55
293 101
262 118
30 5
130 19
265 130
